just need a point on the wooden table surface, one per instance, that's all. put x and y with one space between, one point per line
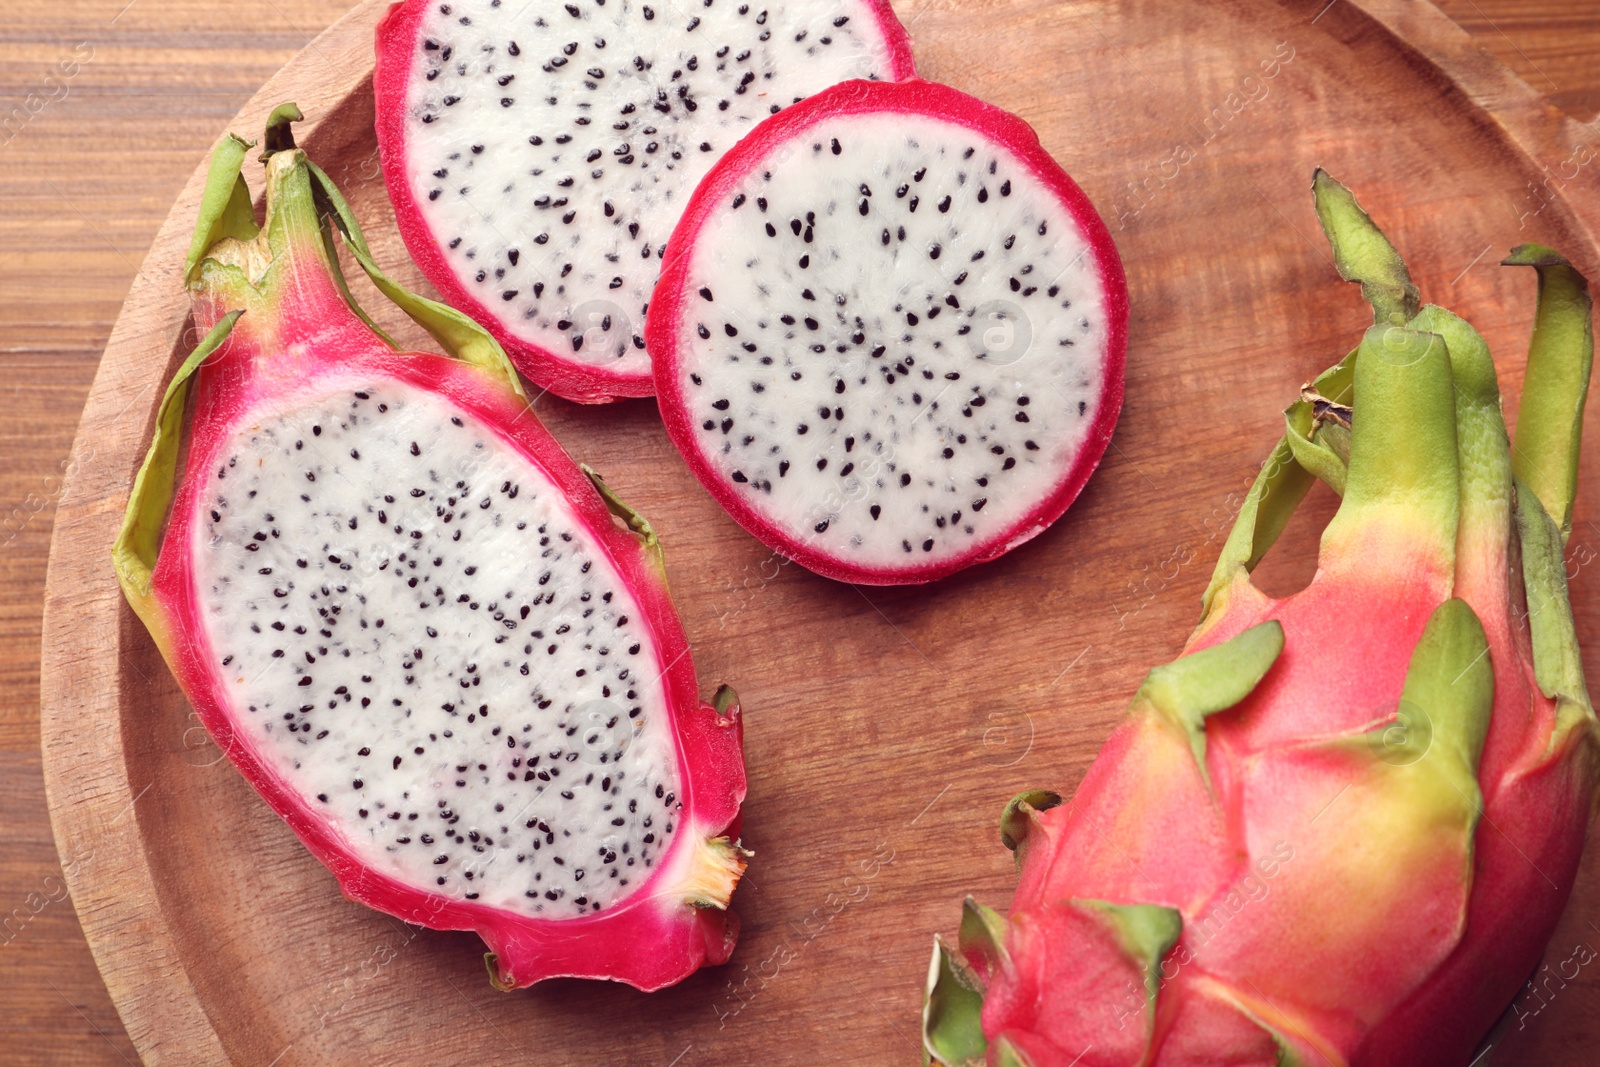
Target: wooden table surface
115 103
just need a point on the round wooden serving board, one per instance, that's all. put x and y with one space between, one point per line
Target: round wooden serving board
886 728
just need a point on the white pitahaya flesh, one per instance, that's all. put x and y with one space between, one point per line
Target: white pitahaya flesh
890 332
540 153
427 641
439 649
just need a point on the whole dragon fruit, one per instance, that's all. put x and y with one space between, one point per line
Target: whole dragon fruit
1341 828
539 153
439 649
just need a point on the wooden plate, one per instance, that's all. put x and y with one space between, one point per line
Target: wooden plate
886 728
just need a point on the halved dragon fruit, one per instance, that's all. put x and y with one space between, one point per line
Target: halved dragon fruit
443 653
539 154
890 333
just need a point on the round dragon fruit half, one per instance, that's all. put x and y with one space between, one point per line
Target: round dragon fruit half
538 154
439 649
890 333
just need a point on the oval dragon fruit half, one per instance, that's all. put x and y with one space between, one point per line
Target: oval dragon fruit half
443 653
538 154
1341 828
890 333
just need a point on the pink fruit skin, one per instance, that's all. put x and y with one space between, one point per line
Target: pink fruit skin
668 309
396 38
1420 992
645 942
1424 1000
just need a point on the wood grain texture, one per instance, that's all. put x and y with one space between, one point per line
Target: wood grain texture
1550 44
957 706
